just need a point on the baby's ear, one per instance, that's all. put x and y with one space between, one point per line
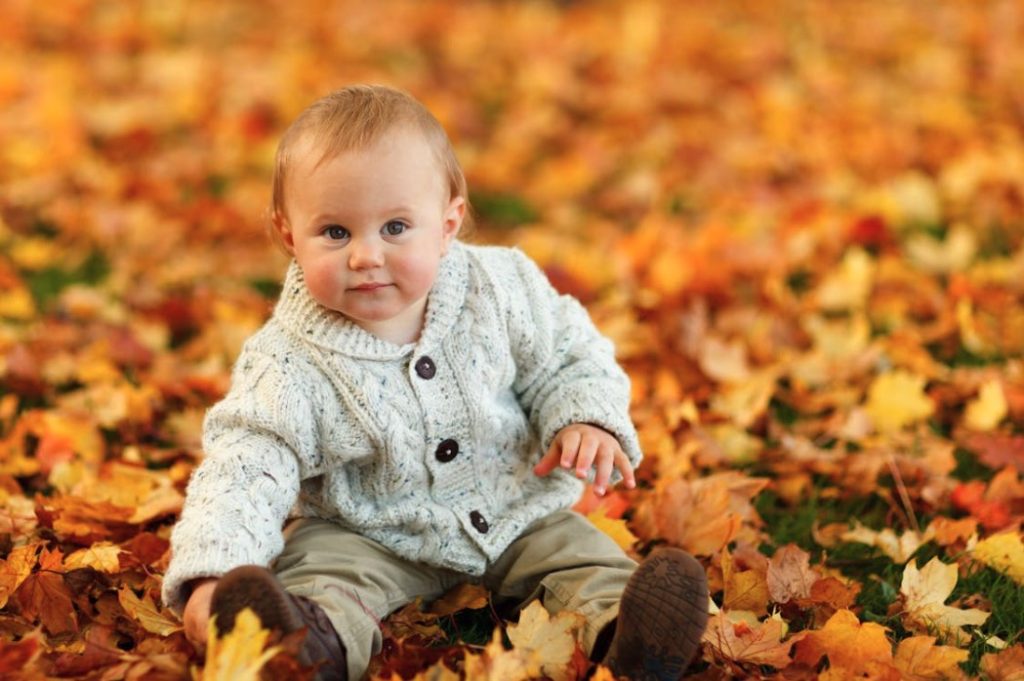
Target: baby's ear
282 232
453 217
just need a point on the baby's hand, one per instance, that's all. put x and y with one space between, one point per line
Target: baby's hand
581 446
197 613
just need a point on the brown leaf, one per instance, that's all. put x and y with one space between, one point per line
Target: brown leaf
761 644
45 596
790 575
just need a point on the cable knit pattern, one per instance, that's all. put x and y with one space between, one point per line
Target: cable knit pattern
324 419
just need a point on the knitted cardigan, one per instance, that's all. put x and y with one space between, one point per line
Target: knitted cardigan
427 448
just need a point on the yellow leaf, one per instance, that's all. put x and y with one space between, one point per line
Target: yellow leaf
897 399
614 528
15 570
101 556
17 303
899 548
919 659
239 654
145 612
547 645
1003 552
849 286
722 361
988 409
953 254
925 592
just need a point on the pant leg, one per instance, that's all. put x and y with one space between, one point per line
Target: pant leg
355 580
569 564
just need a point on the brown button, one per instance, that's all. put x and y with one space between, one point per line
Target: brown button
446 451
425 367
479 522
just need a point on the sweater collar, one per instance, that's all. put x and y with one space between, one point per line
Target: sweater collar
313 323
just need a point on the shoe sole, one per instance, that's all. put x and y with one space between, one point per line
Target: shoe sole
253 587
662 617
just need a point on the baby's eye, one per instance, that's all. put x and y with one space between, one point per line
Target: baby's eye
336 232
394 228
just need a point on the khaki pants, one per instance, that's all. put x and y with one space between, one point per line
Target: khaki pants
562 559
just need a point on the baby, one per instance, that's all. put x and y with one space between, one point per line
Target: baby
427 409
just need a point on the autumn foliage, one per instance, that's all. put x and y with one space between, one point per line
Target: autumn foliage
802 222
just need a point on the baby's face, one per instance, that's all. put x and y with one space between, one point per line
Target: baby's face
369 227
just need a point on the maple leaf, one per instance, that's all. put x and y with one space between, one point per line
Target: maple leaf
548 646
986 411
896 399
744 589
701 515
997 450
919 659
239 655
46 597
462 597
899 548
101 556
850 645
616 528
15 569
1003 552
925 591
145 612
743 643
790 575
1006 665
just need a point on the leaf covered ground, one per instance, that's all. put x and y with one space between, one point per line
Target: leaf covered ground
802 222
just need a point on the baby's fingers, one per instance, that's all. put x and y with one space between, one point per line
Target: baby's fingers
605 464
626 468
549 461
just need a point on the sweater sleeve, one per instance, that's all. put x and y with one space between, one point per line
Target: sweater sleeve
256 441
566 370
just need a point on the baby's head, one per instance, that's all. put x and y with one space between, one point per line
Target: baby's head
355 117
368 196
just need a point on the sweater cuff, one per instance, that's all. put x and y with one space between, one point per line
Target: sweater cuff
201 559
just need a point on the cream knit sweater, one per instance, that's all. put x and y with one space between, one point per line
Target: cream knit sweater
427 448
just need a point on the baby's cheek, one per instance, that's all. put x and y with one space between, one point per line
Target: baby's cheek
322 284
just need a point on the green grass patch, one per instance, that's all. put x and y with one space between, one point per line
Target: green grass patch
1007 605
787 524
503 210
46 284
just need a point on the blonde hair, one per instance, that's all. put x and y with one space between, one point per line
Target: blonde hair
355 117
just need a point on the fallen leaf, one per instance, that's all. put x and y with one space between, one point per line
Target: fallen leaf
239 655
897 399
925 591
849 644
986 411
46 597
101 556
15 569
742 643
743 589
465 596
919 659
548 646
1006 665
145 612
790 575
616 528
899 548
1003 552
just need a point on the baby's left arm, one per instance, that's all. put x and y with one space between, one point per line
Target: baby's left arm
582 445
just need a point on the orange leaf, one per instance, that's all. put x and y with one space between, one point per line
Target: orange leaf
849 644
15 570
1006 665
919 659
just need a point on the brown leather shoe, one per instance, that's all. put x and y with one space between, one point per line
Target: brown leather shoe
256 587
662 616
